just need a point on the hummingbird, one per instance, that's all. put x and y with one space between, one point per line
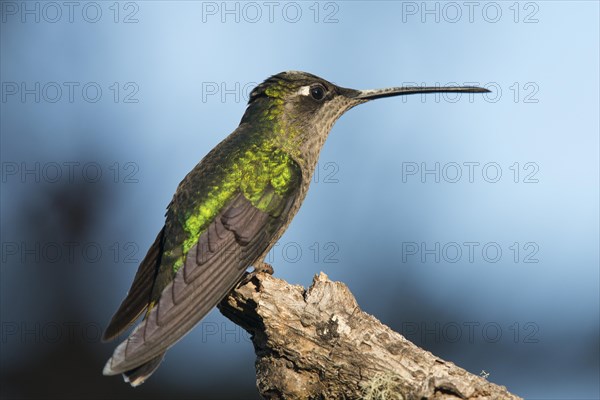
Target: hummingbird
230 210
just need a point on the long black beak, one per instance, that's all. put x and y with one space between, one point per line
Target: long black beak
401 91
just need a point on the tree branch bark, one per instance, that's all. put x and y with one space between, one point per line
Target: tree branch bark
318 344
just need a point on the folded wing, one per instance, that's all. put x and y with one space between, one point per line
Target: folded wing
239 234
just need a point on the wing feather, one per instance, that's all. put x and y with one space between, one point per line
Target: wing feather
140 292
213 266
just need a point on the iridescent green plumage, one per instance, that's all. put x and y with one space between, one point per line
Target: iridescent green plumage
249 169
229 211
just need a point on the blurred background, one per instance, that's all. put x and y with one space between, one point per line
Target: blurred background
469 224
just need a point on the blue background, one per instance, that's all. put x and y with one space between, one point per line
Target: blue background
529 319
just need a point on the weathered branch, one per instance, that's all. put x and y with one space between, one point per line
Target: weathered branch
318 344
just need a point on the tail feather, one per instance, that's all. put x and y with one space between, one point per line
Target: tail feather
138 375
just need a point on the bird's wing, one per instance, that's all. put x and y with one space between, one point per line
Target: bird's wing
239 234
139 295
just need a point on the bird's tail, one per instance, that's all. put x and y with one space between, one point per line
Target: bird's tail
137 376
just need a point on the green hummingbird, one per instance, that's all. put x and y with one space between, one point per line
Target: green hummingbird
230 210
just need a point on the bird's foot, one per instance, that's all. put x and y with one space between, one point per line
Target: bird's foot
264 267
259 267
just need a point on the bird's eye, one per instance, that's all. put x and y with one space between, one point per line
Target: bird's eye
317 92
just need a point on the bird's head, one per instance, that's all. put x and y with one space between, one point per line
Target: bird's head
302 108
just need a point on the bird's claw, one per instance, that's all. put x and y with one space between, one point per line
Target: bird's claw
264 267
260 267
